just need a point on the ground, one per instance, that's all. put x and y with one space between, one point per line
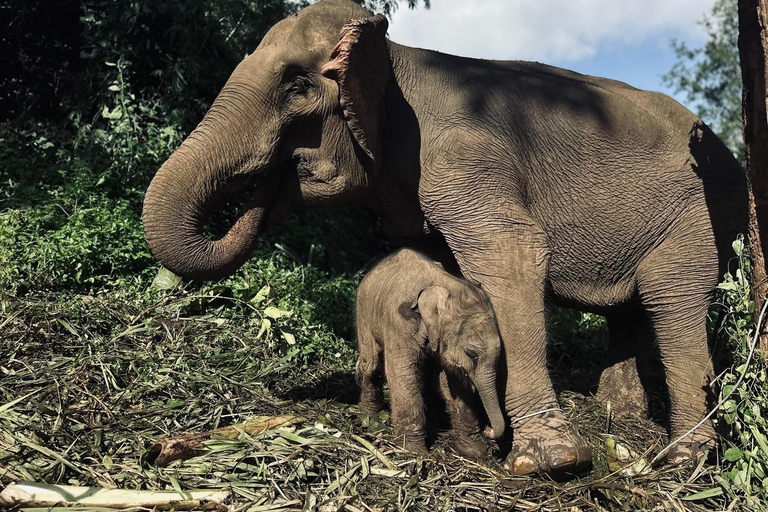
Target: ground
89 382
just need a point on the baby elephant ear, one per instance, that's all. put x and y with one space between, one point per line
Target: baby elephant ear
432 305
360 65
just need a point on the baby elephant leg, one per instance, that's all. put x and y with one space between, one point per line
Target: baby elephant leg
369 373
405 377
462 405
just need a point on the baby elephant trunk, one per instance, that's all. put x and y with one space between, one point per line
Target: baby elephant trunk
485 382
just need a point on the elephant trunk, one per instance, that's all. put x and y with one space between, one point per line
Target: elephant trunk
180 200
485 382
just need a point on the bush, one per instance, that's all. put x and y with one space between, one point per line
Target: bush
53 247
744 390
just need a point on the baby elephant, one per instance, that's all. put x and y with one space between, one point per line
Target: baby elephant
409 310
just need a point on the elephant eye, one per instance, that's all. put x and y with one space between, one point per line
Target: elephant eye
471 354
301 85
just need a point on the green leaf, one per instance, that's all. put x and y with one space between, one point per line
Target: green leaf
68 327
760 439
176 486
174 404
738 246
288 337
703 495
733 454
165 280
266 324
262 294
275 313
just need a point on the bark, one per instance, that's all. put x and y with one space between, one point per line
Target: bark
187 446
753 50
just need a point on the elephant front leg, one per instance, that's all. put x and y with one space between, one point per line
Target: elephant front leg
462 406
405 377
511 263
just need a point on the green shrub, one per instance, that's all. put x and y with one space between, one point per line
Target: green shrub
744 389
52 246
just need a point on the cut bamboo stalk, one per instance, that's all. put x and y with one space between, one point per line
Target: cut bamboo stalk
184 447
29 494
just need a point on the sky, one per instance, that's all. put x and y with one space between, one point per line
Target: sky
627 40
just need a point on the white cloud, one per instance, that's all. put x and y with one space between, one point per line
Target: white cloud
554 31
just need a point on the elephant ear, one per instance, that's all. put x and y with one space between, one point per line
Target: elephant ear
360 65
432 305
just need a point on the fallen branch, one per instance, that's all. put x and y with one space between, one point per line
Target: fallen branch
165 451
45 495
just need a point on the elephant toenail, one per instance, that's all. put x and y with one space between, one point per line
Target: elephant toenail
523 466
561 457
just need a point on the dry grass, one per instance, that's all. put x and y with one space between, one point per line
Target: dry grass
88 383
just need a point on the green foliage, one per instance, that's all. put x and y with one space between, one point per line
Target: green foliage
710 76
744 412
388 6
179 50
54 247
296 311
99 106
577 348
71 205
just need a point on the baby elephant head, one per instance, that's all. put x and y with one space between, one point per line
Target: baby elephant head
462 331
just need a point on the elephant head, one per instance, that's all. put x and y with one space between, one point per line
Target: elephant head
461 329
296 125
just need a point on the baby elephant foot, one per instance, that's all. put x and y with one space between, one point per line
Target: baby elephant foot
548 444
470 446
413 443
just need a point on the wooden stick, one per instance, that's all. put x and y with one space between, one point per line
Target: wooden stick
46 495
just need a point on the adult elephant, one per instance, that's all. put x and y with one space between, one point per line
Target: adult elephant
546 186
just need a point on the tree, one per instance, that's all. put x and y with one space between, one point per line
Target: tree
389 6
753 48
710 76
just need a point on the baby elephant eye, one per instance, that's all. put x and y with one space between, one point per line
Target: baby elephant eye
471 354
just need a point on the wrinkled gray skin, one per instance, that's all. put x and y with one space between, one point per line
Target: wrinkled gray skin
543 185
410 310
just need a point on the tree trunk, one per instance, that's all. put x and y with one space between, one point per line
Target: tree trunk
753 50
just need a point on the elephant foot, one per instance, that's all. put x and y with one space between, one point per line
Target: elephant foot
470 446
548 444
620 384
689 449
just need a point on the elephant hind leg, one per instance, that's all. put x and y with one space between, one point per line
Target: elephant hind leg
675 283
625 381
369 373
